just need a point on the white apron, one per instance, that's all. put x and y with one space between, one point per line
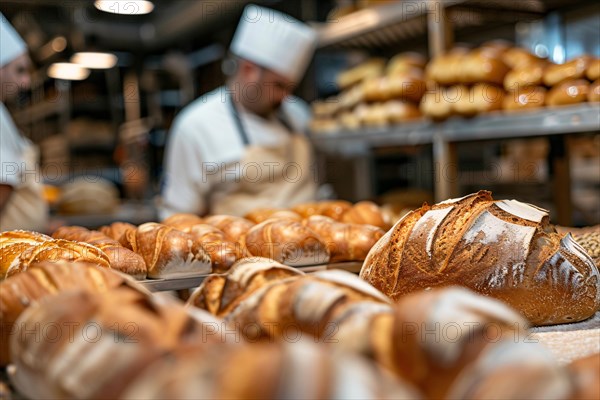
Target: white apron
26 207
269 177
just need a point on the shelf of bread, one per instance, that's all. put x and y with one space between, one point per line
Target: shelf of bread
494 91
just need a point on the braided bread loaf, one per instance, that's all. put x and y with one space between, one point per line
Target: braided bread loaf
121 259
504 249
168 253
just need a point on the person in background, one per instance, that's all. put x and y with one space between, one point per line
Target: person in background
241 146
22 205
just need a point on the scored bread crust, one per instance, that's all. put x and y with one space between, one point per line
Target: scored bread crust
503 249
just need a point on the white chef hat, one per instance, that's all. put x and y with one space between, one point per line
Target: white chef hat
275 41
11 44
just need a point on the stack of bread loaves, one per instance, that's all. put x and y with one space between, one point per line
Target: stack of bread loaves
374 94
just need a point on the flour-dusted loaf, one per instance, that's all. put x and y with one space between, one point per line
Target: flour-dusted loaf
504 249
286 241
168 253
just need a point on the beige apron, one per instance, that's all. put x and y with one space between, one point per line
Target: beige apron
26 207
269 177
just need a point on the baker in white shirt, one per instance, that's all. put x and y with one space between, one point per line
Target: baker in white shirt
22 205
241 147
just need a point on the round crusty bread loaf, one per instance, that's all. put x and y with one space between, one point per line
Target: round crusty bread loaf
503 249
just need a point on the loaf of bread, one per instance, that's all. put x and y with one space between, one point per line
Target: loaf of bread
99 342
181 221
234 227
571 70
483 66
436 104
330 208
408 86
429 338
406 61
528 75
223 252
398 111
300 305
117 229
167 252
263 214
519 58
445 70
584 374
593 70
121 259
568 92
366 212
19 250
486 97
296 369
594 92
345 242
526 98
286 241
46 279
368 69
219 294
503 249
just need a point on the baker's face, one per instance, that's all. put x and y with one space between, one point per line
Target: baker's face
15 77
264 90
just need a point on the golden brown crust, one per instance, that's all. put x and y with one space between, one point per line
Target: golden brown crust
568 92
346 242
234 227
571 70
286 241
593 70
121 258
520 78
263 214
223 252
525 98
584 373
594 92
117 229
182 221
521 261
366 212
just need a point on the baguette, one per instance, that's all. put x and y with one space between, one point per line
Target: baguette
503 249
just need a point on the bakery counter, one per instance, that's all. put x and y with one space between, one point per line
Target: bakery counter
133 212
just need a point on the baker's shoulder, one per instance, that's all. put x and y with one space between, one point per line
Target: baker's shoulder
202 112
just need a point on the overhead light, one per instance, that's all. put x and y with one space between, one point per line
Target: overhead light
129 7
94 60
68 72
